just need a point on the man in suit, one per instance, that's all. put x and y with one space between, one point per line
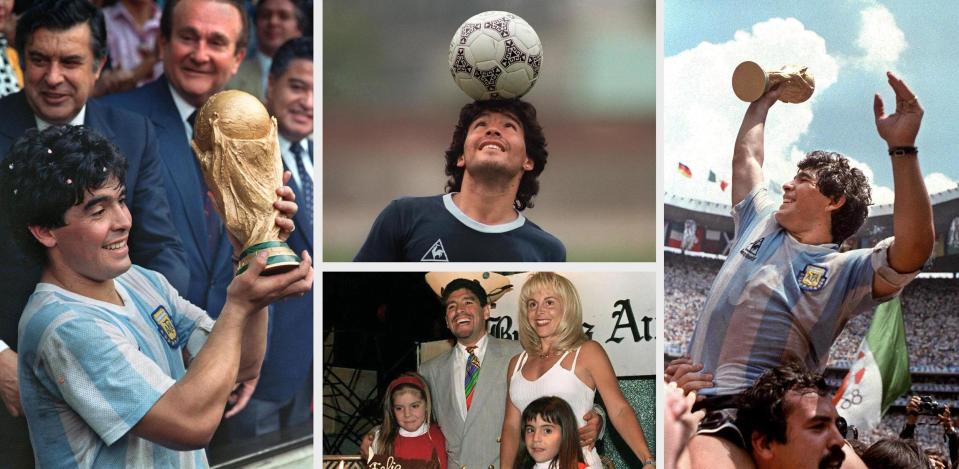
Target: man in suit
283 395
202 43
63 43
277 21
471 413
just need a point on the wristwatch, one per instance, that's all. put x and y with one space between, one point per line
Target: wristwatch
903 151
649 462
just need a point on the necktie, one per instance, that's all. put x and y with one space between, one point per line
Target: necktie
472 374
306 183
210 217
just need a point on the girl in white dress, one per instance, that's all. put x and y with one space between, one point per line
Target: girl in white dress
559 360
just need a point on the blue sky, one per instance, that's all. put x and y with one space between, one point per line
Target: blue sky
847 45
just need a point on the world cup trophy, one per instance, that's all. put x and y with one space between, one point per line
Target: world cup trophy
235 141
750 82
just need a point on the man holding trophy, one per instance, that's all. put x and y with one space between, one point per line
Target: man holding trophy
105 344
785 291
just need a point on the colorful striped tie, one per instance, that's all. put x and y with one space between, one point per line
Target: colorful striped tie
472 374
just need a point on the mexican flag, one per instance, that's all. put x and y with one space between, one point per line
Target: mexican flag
880 373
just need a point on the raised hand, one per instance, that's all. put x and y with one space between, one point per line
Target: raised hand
900 128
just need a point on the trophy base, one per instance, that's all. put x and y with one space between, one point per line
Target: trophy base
749 81
280 258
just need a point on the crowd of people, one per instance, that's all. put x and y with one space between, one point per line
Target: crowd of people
118 85
926 304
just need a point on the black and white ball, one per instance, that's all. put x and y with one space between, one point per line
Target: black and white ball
495 55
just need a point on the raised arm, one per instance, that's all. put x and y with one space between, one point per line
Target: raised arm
748 152
187 414
912 211
594 361
509 436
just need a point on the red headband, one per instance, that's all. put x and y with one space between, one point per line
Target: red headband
406 380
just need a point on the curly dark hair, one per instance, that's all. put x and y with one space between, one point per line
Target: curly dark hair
48 172
835 178
533 136
460 283
762 407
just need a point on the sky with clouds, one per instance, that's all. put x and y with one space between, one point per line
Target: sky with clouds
847 45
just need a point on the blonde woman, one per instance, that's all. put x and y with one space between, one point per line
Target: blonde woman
559 360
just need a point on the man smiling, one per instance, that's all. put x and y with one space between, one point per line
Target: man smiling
497 153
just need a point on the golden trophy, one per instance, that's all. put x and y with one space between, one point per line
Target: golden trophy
235 142
750 81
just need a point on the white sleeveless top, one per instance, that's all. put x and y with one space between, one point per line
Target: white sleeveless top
559 382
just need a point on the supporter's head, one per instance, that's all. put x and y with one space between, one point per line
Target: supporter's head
895 453
825 187
202 44
62 45
6 7
467 309
62 194
549 435
289 92
550 309
518 150
788 420
278 21
407 406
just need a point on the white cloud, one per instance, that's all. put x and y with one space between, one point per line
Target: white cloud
880 39
938 182
702 115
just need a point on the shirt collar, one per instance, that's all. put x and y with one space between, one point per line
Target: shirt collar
77 119
264 61
418 432
182 107
480 345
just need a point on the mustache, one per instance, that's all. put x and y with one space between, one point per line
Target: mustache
835 457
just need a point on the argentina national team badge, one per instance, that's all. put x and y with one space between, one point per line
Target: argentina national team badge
813 277
165 325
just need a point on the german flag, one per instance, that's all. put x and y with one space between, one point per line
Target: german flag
684 170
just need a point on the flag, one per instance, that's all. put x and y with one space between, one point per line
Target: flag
684 170
880 373
712 176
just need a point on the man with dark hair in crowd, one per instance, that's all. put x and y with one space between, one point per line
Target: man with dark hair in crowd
104 342
895 453
276 21
284 393
787 291
63 47
945 419
787 420
497 153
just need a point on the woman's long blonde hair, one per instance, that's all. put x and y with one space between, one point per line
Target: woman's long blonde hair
570 330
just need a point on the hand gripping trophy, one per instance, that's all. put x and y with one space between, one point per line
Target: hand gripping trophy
236 145
750 81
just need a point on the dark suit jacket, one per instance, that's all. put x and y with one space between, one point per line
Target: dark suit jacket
289 355
154 243
210 270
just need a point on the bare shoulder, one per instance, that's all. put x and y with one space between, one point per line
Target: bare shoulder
592 350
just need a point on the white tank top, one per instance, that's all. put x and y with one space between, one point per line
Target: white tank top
559 382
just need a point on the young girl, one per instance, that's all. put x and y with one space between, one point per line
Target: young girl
549 438
408 438
560 360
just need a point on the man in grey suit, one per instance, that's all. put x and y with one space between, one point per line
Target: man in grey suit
471 416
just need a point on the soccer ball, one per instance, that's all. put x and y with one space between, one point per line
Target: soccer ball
495 55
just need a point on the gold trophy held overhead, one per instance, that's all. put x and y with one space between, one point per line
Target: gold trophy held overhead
235 142
750 81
